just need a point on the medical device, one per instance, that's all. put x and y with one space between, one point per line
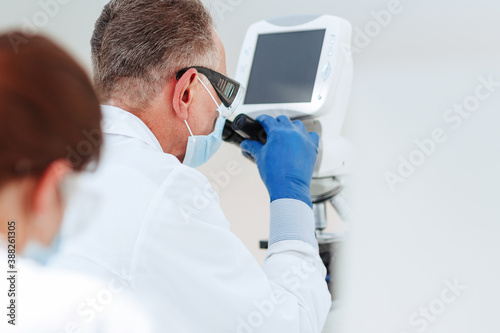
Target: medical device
301 67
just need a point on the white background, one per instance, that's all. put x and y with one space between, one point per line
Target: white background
443 221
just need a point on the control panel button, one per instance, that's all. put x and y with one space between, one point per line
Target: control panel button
327 70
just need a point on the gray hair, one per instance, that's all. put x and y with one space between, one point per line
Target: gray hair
138 45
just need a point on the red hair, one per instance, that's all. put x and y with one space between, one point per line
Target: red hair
48 108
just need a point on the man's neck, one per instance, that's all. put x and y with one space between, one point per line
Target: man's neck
158 118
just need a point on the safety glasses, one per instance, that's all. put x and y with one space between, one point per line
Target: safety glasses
229 91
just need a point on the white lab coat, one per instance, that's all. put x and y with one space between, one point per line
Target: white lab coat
158 226
50 300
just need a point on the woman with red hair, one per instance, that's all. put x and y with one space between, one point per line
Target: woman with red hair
49 131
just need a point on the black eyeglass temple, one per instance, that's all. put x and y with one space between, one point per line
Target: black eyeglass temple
225 87
181 73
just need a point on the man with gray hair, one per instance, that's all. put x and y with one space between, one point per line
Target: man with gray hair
160 69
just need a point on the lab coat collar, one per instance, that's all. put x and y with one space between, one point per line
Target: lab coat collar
121 122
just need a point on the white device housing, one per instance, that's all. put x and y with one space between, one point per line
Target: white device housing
332 85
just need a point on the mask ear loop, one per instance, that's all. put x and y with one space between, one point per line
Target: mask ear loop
189 129
213 99
185 121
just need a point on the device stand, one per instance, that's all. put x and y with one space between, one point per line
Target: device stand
329 243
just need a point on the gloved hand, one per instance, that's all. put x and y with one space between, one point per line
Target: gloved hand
286 162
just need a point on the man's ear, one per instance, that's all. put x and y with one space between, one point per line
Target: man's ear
183 94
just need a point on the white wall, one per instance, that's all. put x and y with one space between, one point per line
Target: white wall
442 222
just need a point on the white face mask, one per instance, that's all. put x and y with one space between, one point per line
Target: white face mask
34 250
200 148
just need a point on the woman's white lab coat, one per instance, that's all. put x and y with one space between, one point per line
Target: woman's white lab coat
51 300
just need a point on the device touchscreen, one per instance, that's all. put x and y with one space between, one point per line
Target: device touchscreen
284 67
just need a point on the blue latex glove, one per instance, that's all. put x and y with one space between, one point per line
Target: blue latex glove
286 162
